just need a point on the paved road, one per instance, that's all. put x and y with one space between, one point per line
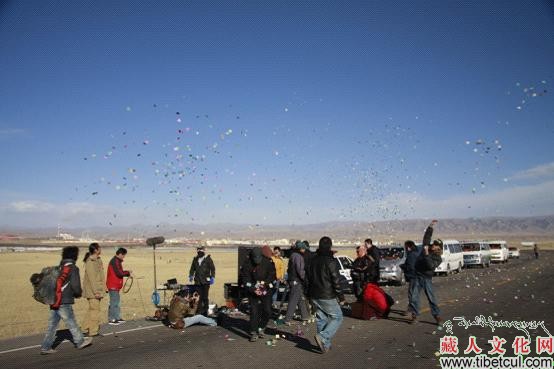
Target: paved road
519 290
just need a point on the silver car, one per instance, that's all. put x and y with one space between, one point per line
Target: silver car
389 265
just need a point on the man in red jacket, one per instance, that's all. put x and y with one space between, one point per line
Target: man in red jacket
114 283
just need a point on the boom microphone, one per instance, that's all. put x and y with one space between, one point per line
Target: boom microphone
153 241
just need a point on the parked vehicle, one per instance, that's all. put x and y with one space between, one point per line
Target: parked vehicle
499 251
389 266
345 263
452 257
476 253
513 252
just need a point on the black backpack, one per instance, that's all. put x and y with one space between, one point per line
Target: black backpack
44 284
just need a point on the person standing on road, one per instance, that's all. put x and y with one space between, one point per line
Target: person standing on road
360 272
426 263
297 280
114 283
202 273
374 257
94 286
68 287
257 276
279 272
324 291
408 268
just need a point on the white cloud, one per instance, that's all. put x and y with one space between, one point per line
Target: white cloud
540 171
514 201
4 132
30 206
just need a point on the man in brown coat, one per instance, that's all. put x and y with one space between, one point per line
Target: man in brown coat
94 289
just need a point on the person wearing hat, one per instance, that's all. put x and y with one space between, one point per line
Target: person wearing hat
428 260
257 277
297 280
202 273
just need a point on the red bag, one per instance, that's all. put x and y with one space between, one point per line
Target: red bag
377 300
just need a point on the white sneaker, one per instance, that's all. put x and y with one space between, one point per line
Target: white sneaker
86 342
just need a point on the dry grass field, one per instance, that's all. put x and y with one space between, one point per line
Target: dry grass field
22 315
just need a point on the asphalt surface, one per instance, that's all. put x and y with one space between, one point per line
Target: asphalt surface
520 290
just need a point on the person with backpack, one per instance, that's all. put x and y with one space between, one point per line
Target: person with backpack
94 286
67 288
114 283
202 273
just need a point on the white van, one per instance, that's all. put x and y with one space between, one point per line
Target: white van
499 251
476 253
452 257
345 263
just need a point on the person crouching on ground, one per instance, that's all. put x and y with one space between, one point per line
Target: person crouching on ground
324 291
114 283
202 272
257 277
426 263
68 287
182 312
94 286
297 279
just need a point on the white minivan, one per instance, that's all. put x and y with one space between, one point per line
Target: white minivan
499 251
476 253
452 257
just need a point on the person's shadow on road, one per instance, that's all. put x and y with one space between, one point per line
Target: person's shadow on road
62 335
240 327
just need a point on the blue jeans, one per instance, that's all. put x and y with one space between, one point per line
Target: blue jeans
114 311
276 293
328 319
199 319
65 313
416 285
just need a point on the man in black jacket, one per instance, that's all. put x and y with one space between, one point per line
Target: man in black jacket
425 265
324 291
68 287
202 272
374 257
257 278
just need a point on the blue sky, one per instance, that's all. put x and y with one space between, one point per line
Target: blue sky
274 113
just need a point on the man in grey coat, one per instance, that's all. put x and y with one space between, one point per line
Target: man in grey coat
297 278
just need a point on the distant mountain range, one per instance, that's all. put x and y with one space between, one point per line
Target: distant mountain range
538 226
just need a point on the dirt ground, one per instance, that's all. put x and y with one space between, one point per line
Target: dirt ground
22 315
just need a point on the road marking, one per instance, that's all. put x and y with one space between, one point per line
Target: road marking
64 341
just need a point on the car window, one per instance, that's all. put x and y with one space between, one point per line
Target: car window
470 247
346 263
495 246
391 253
